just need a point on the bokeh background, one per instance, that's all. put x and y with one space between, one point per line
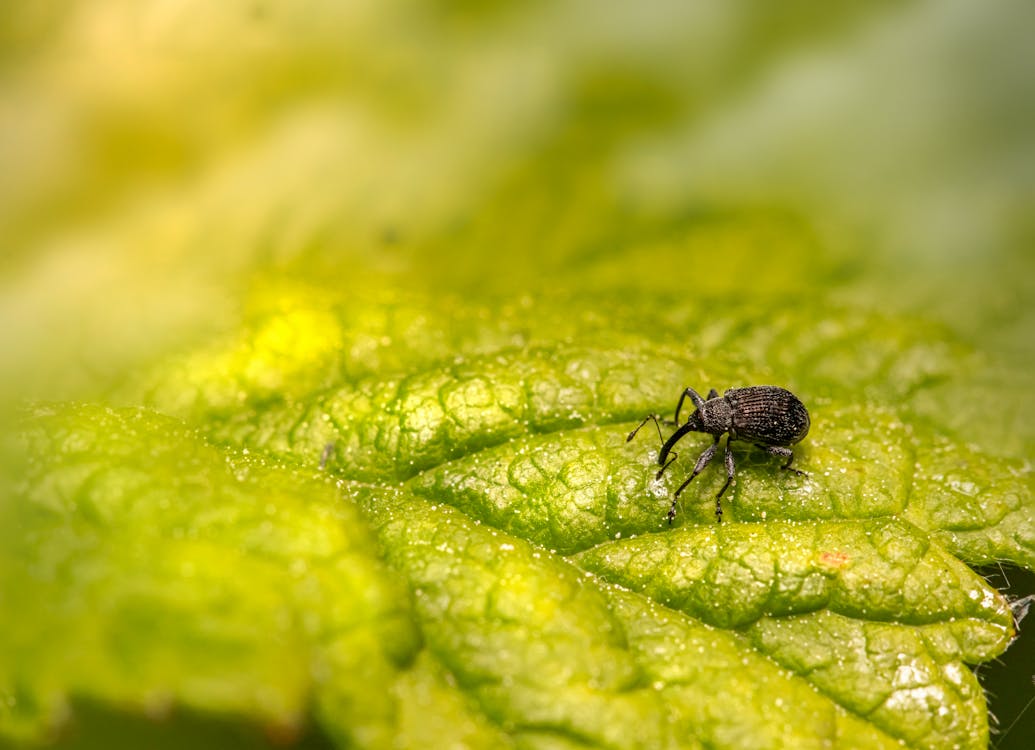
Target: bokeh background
160 159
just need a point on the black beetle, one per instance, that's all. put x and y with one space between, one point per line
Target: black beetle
768 416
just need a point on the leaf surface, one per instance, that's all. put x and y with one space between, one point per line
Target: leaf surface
324 327
494 549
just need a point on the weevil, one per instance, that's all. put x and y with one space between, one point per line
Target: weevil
768 416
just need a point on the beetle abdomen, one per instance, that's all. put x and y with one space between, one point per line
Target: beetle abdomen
767 415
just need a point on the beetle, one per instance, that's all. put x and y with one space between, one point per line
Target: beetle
768 416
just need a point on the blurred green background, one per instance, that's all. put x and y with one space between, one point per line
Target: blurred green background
158 155
161 159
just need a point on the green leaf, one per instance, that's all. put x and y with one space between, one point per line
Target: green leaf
152 571
552 653
500 557
805 595
326 325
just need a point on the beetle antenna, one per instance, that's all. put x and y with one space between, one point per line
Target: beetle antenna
646 419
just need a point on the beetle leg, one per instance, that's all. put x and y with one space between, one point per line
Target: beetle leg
779 450
713 394
703 460
729 478
729 470
694 396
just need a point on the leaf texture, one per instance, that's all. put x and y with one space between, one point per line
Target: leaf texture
478 539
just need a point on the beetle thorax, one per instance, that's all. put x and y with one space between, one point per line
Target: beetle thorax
716 416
